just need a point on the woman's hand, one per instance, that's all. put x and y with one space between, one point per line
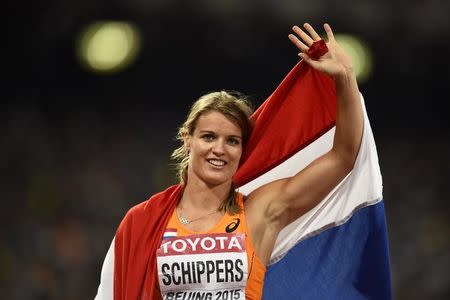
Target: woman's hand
335 62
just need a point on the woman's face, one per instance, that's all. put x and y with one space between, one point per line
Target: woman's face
215 149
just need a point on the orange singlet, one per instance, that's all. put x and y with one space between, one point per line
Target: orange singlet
217 264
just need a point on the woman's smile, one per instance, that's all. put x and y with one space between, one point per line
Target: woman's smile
217 162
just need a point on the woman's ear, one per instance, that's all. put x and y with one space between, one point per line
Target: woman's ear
187 142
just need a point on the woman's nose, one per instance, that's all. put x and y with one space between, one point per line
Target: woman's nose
218 148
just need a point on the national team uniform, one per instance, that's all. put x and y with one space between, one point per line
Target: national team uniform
216 264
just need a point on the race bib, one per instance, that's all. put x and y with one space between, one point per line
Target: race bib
203 266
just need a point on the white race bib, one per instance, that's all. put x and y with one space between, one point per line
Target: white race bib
203 266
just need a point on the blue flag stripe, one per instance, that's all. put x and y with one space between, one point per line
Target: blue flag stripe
336 264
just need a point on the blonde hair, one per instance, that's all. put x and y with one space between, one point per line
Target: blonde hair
235 107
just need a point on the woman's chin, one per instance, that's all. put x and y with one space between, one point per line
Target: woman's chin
212 178
215 180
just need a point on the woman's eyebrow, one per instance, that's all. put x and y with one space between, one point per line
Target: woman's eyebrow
231 135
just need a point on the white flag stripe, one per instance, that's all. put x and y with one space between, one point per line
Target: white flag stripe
106 287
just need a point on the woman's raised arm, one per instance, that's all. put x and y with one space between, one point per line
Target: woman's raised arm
280 202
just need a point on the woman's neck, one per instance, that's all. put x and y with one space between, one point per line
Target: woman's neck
201 196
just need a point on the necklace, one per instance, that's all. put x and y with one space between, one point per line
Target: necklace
183 220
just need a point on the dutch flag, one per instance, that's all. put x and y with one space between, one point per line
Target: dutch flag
170 233
339 249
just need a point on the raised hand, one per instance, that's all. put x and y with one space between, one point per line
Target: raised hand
334 63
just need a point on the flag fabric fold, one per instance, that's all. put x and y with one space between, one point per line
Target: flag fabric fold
338 250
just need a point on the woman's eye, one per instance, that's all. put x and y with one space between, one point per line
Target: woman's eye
208 137
233 141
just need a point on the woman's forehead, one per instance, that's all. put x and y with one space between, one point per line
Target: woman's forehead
216 121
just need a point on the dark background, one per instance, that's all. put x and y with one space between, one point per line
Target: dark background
78 149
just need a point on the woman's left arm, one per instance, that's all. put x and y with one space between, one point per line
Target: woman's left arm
281 202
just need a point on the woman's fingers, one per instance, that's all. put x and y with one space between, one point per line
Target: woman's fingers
300 45
312 32
303 40
329 32
307 40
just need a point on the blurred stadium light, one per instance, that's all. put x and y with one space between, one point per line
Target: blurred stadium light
108 46
360 55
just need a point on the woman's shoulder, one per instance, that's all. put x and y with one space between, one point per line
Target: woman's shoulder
151 210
